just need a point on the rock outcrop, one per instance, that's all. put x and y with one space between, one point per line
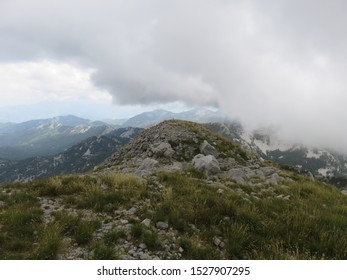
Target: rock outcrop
161 149
208 149
207 164
267 174
179 145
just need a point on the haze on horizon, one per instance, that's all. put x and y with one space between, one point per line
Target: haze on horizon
278 63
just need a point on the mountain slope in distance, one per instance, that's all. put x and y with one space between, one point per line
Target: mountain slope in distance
81 157
47 136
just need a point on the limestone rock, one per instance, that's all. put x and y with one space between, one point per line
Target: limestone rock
208 149
208 164
216 241
132 210
146 222
149 164
161 149
162 225
268 170
242 175
273 179
237 174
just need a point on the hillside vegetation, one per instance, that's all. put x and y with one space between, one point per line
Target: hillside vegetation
246 209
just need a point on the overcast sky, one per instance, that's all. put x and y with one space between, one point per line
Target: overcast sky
271 62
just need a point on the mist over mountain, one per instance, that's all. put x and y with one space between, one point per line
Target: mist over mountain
178 190
245 159
149 118
29 150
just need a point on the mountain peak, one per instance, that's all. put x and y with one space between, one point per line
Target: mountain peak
176 145
70 120
147 119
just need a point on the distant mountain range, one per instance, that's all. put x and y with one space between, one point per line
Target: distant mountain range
79 158
67 144
317 162
178 190
47 136
197 115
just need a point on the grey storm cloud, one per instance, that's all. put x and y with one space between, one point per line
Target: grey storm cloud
272 62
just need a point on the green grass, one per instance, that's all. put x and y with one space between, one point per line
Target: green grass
108 192
311 224
20 220
113 236
102 251
49 243
193 250
146 236
80 229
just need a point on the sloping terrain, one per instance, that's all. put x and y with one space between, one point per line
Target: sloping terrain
154 117
176 191
81 157
320 163
46 137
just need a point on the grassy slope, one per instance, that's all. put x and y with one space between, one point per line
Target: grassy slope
299 219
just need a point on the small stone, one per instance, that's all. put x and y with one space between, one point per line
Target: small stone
132 210
149 164
124 222
107 226
162 225
193 227
144 256
220 191
131 252
216 241
167 248
122 241
143 246
146 222
180 249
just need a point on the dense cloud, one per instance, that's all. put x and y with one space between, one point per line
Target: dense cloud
274 62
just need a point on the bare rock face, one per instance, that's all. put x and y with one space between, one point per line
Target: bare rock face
267 174
208 164
178 145
208 149
149 164
161 149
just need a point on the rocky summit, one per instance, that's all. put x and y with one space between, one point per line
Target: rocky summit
178 190
176 145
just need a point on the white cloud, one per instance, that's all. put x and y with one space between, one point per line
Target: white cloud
279 62
32 82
